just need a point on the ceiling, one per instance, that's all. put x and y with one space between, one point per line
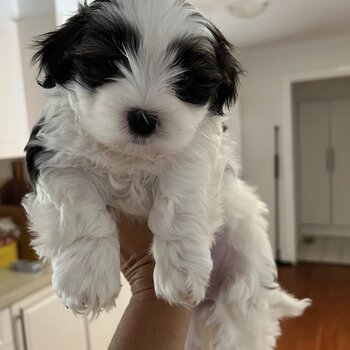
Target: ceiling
284 20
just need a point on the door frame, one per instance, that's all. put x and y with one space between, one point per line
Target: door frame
288 219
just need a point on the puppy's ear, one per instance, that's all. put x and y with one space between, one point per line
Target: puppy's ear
54 56
226 93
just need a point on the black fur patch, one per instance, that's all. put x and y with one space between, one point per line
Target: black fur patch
201 75
36 153
87 49
230 69
100 54
108 1
210 76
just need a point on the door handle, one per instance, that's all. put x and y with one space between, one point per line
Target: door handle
330 159
20 318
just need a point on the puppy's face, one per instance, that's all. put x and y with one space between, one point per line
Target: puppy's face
142 74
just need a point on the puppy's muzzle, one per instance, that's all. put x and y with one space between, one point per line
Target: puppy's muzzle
142 123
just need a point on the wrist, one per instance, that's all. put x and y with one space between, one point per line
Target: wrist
138 271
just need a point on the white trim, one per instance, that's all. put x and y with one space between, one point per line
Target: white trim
332 231
288 227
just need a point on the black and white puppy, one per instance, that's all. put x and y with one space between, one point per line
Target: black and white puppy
132 125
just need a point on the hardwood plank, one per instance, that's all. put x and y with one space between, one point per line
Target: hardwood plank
326 325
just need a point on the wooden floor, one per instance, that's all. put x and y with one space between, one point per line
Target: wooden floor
326 325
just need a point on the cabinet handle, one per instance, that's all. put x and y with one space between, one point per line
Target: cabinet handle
330 160
20 318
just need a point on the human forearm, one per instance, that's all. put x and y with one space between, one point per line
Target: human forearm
151 324
148 323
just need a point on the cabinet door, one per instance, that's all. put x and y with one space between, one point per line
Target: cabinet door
340 126
47 324
6 338
314 178
102 330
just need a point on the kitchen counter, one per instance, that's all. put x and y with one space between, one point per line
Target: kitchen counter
17 285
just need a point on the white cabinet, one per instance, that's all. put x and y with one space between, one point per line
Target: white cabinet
314 141
340 138
324 166
6 338
41 322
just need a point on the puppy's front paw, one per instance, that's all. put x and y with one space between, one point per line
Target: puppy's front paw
182 280
86 276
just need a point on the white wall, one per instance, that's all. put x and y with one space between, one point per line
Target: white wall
9 9
22 100
14 9
28 29
64 9
261 101
29 8
13 112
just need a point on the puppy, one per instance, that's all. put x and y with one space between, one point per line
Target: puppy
136 91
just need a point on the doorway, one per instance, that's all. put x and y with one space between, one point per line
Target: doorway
321 123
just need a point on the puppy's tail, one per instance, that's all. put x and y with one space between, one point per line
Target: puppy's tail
284 305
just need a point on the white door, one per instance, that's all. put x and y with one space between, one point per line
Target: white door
314 178
43 323
340 139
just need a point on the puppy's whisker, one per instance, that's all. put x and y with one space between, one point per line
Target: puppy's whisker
144 117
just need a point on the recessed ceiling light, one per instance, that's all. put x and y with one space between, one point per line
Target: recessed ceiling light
247 8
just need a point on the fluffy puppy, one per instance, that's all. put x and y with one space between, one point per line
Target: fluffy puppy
132 125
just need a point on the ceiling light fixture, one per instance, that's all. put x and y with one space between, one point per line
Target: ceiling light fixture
247 8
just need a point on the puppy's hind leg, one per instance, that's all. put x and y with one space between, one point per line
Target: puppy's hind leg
252 292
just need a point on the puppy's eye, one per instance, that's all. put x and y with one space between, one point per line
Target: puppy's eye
112 62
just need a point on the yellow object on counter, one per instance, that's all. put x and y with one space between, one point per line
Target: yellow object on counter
8 254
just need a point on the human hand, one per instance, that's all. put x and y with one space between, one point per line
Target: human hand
137 264
148 323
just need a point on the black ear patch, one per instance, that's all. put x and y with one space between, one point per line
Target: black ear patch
200 74
55 48
230 69
210 71
89 49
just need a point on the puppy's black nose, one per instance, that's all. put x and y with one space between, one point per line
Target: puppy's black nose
141 122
